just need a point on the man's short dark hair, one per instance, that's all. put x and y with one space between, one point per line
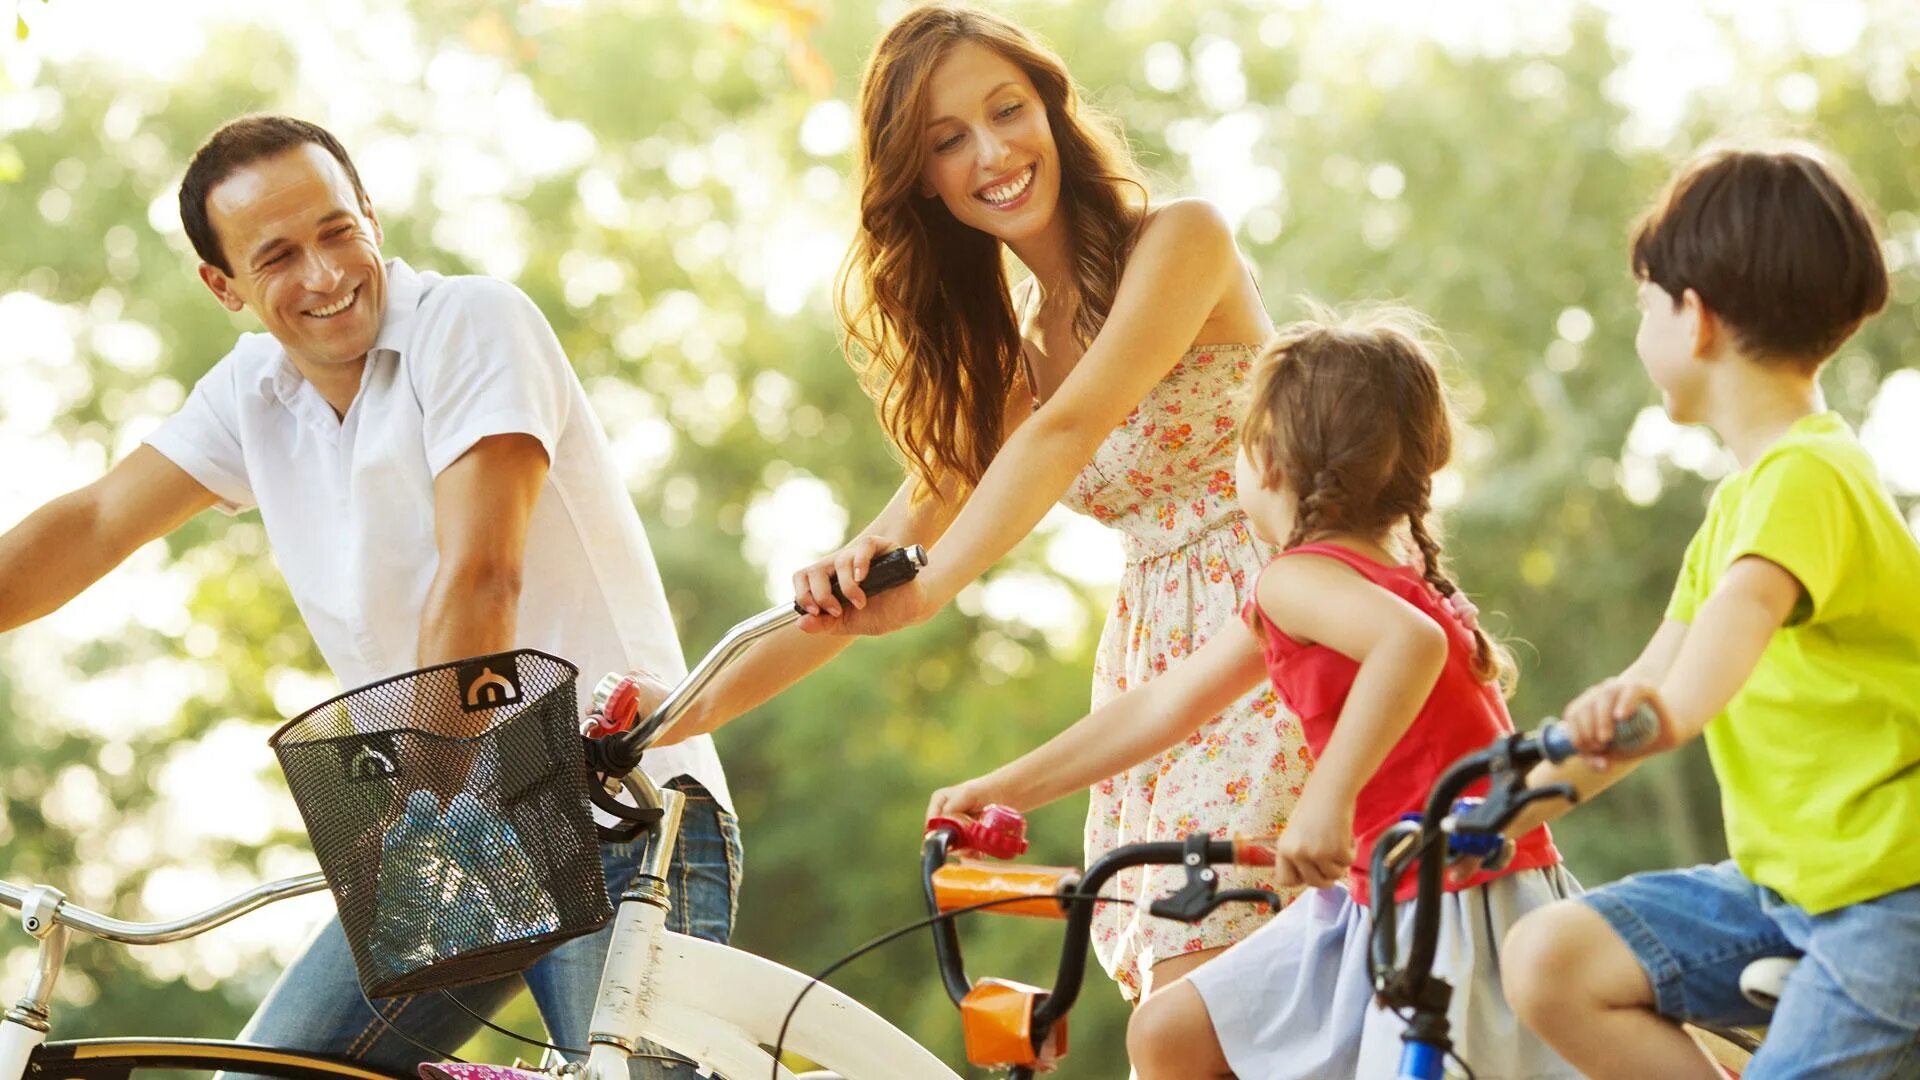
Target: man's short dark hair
234 147
1776 242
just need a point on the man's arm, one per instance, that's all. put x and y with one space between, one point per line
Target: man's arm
73 541
482 505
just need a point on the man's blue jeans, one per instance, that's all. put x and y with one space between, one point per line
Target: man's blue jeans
317 1004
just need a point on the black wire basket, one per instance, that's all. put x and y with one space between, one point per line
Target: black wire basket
448 808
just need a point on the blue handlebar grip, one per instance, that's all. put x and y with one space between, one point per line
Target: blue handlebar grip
1629 735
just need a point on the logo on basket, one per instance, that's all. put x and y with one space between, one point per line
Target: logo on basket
369 757
481 687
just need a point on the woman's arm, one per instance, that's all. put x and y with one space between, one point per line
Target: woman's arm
777 661
788 655
1180 270
1126 731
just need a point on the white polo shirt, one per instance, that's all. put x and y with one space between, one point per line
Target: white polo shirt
348 502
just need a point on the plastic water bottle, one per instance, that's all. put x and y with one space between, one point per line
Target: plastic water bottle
413 868
520 896
500 892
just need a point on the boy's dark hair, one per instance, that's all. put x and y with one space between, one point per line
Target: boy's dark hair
235 146
1776 242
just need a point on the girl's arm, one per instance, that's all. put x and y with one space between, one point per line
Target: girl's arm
1400 651
1126 731
1180 270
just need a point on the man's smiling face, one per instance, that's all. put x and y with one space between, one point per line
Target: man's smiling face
305 256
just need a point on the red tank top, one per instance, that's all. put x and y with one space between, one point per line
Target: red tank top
1462 715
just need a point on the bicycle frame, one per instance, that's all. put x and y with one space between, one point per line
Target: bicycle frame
45 914
720 1005
715 1004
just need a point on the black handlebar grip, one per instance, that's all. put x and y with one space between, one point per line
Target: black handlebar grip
1629 735
896 567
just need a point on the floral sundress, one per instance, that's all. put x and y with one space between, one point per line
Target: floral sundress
1165 479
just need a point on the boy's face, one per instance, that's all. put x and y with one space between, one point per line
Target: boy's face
1668 344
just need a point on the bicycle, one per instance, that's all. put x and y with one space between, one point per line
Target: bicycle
710 1002
1477 828
717 1005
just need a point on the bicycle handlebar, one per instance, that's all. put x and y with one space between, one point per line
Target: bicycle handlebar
108 928
1507 760
1076 895
620 752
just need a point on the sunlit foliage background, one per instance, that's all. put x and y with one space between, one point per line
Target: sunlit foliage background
670 182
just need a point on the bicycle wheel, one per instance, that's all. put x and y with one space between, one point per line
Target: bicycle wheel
118 1059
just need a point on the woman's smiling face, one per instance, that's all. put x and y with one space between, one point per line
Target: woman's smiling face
991 157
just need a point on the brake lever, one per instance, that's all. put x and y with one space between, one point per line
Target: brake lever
1200 896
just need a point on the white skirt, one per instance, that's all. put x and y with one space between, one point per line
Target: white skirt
1294 998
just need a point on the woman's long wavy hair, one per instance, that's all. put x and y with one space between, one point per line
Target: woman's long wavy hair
1351 416
924 300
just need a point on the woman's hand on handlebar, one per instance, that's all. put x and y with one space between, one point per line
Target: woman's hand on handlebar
813 585
902 606
1592 716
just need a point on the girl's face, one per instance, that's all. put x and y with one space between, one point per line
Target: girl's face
1270 511
990 152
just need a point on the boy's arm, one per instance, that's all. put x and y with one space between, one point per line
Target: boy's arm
1128 730
73 541
1710 661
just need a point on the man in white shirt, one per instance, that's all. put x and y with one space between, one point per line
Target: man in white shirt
434 486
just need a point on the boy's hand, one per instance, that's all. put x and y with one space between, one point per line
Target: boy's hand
964 800
1593 717
1316 848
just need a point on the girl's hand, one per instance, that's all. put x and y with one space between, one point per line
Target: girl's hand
813 585
965 800
1316 848
1592 717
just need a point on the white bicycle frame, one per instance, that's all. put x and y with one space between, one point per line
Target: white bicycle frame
706 1001
720 1005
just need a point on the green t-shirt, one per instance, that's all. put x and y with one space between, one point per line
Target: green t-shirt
1818 755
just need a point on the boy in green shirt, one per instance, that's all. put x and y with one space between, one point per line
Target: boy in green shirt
1792 642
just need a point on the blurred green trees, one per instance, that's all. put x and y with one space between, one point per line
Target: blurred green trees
670 183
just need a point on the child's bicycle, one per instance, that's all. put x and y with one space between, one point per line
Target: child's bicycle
1476 828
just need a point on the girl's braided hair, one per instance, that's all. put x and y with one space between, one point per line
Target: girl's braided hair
1349 413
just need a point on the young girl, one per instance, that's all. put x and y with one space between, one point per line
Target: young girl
1104 381
1392 680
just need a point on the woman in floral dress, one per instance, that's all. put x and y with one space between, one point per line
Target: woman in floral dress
1106 383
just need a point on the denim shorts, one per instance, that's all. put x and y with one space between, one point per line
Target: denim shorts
1850 1009
317 1004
